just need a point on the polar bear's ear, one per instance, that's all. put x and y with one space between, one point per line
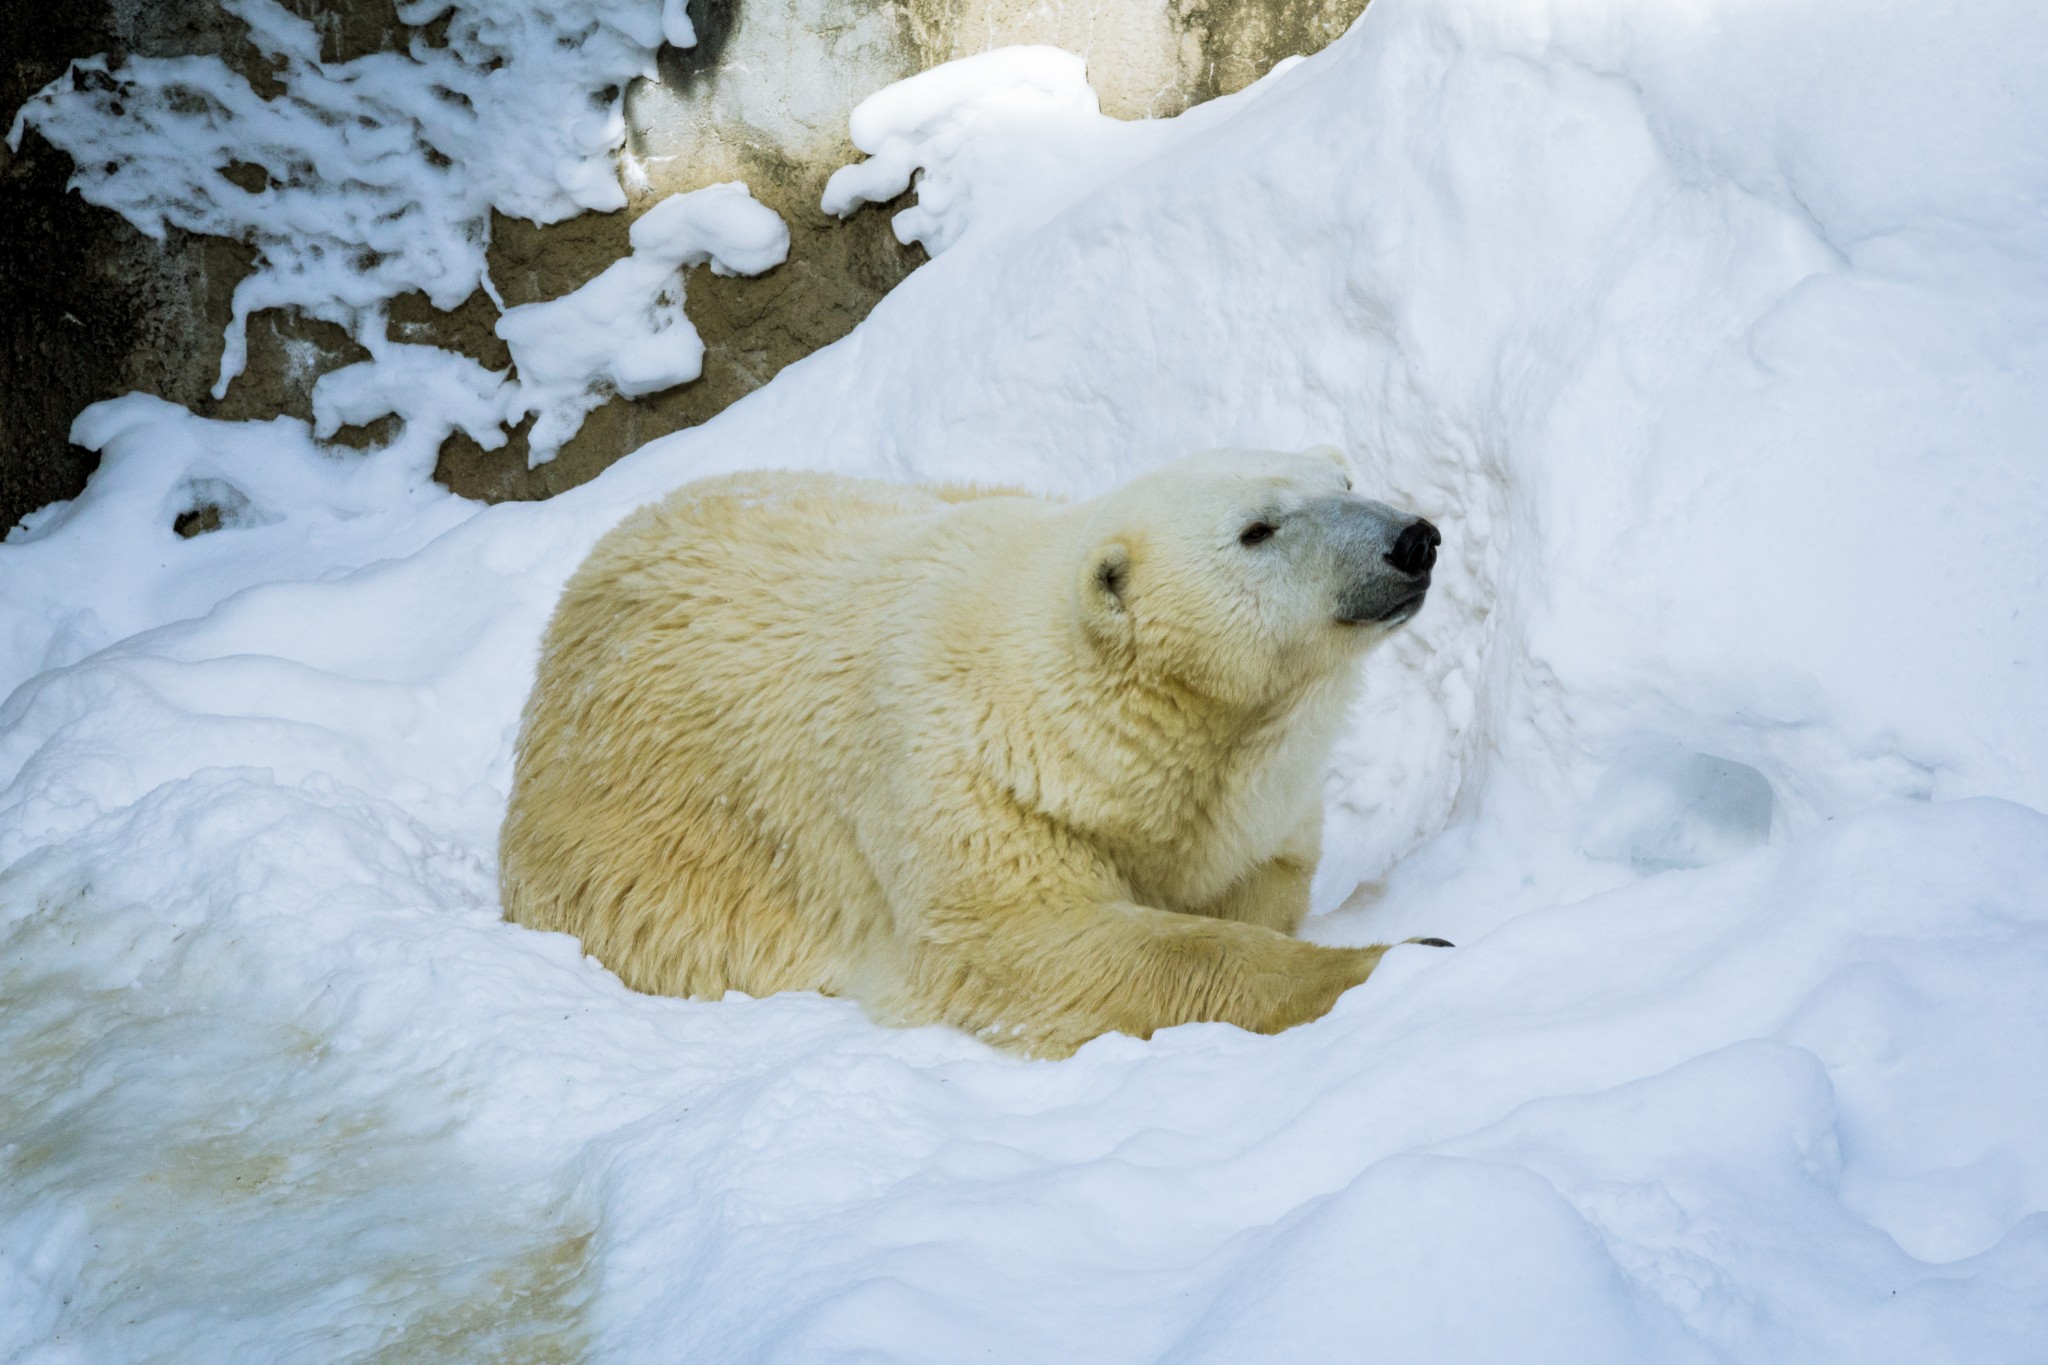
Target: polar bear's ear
1105 598
1338 458
1110 574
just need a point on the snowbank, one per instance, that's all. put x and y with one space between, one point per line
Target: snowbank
1714 337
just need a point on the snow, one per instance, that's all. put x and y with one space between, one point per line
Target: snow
1713 336
917 127
433 391
1002 140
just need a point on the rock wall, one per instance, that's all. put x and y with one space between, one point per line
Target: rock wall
90 307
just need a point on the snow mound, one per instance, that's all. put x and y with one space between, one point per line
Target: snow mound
1714 337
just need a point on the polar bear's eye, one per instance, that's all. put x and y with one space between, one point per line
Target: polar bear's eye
1258 533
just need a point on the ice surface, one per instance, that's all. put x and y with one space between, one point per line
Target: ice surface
1713 336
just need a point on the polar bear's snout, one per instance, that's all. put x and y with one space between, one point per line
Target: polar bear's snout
1384 559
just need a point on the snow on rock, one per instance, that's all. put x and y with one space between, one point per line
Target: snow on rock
426 385
375 176
625 332
920 124
1715 337
1001 140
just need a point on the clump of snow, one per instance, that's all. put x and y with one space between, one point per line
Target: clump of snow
432 390
376 176
921 125
1714 337
1003 139
625 332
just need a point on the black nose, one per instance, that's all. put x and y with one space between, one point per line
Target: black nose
1414 551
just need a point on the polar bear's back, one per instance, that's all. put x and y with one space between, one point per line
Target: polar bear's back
714 685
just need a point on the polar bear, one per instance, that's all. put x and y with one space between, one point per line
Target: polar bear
1038 770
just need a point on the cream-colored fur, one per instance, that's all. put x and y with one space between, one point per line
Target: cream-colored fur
1037 770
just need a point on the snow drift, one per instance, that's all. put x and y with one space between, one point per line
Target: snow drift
1715 337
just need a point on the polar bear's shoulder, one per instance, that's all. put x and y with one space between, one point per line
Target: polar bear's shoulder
731 508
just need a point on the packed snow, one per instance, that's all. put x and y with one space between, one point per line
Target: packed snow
1715 338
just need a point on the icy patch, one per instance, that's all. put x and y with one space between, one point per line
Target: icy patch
220 1212
625 332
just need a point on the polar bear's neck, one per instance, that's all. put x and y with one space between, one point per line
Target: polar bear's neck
1185 791
1202 794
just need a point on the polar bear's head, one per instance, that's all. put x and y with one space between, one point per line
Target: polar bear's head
1247 573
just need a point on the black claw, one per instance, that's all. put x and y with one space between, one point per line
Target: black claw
1436 943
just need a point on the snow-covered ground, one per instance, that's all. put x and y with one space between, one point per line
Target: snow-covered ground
1715 337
